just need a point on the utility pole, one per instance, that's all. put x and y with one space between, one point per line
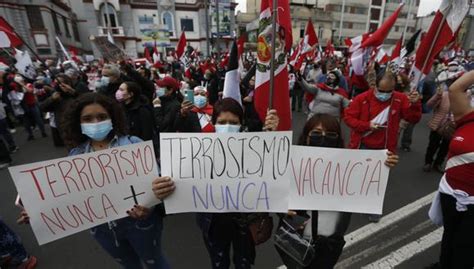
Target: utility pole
159 22
208 44
218 31
342 19
406 22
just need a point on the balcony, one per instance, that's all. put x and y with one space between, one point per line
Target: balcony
115 31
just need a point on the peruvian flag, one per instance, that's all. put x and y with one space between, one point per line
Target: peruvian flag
443 30
8 37
396 53
283 41
240 45
147 55
232 76
181 46
307 46
382 57
376 38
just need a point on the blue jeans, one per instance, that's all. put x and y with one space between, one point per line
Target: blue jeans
10 245
131 242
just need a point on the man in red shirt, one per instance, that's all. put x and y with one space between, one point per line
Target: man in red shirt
374 116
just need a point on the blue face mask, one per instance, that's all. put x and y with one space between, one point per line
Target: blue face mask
105 81
200 101
383 96
97 131
227 128
160 92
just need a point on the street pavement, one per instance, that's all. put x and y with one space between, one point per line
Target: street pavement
395 242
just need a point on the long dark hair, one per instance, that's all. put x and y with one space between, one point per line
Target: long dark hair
329 123
71 124
133 87
227 105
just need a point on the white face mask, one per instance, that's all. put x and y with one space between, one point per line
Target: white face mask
227 128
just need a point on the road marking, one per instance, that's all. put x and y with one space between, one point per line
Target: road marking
401 213
408 251
382 245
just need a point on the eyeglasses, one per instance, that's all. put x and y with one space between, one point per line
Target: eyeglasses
332 135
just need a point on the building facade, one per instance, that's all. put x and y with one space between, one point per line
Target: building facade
135 24
301 11
39 22
355 17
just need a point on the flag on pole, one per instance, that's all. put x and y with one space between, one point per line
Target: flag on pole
63 49
232 77
329 51
24 65
306 47
283 41
410 45
396 58
443 30
376 38
8 37
181 45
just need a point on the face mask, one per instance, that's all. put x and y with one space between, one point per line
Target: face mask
47 80
160 92
227 128
200 101
119 96
323 141
383 96
97 131
105 81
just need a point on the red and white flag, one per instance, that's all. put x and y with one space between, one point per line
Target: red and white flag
306 47
8 37
396 57
443 30
376 38
181 46
283 41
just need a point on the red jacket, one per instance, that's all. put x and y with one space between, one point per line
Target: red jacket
366 106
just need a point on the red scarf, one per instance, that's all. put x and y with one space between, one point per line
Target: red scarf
321 86
208 110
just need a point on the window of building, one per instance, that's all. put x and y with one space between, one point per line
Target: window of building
359 26
187 25
347 25
75 31
35 17
373 27
375 14
54 16
66 27
360 10
377 2
168 20
145 19
335 8
108 11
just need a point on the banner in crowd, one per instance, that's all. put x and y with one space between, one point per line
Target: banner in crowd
338 179
234 172
68 195
109 50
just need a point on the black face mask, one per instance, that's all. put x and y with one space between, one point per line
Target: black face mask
323 141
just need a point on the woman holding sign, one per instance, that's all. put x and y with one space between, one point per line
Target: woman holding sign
323 229
220 231
93 123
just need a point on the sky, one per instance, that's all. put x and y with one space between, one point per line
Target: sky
426 6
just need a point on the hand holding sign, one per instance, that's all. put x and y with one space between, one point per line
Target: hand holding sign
163 187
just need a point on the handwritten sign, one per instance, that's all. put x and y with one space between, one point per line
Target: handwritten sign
241 172
68 195
338 179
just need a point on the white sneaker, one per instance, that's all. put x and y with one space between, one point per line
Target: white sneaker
12 131
4 165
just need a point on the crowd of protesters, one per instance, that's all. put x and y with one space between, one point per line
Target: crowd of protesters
95 106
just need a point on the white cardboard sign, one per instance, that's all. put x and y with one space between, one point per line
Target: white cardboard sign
235 172
338 179
68 195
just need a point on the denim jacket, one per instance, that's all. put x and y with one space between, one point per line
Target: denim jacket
121 225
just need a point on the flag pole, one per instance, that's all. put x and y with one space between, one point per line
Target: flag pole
438 31
272 62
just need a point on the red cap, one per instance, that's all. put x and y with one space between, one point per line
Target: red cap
168 82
